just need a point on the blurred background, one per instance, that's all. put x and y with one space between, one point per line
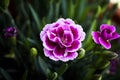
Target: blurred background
20 61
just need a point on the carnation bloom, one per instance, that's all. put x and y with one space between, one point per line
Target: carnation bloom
105 35
62 39
10 32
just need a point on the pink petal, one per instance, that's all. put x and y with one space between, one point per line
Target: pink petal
55 25
95 36
49 44
42 35
75 32
74 46
47 27
70 56
52 35
59 52
106 44
111 28
69 21
82 37
50 54
115 36
67 38
66 27
60 32
106 35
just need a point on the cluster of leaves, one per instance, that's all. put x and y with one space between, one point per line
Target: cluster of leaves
19 61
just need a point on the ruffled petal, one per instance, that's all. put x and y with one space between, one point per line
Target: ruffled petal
106 34
106 44
50 54
67 39
114 36
60 32
70 56
95 36
59 52
74 46
49 44
76 33
52 35
82 36
111 28
42 35
69 21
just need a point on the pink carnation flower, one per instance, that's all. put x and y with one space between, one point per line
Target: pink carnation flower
105 35
62 39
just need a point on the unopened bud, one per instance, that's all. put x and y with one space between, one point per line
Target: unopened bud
33 52
81 53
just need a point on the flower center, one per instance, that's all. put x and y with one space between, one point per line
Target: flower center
108 31
64 40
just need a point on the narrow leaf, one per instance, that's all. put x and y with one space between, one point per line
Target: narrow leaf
5 74
43 66
62 69
89 37
35 17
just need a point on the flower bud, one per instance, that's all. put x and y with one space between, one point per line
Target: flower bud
10 32
33 52
81 53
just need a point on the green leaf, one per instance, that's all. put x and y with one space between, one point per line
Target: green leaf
109 55
50 13
97 77
81 8
4 4
89 37
99 11
25 75
35 17
57 9
64 7
89 74
54 76
62 69
5 74
71 8
31 41
43 66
